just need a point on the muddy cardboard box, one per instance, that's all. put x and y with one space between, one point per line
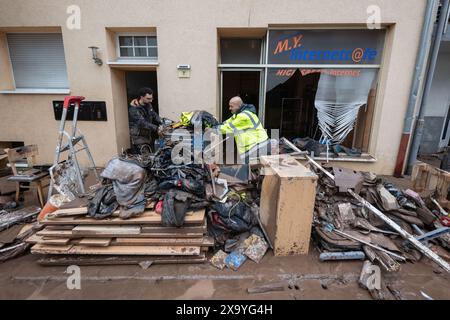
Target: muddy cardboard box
287 204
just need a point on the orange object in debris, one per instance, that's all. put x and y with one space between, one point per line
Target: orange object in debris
48 208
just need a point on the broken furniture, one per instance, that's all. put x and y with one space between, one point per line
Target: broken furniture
287 203
72 139
70 232
426 177
22 161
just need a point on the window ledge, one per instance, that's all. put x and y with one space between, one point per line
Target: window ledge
133 63
36 91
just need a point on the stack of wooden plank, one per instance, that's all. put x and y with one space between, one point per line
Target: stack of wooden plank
71 232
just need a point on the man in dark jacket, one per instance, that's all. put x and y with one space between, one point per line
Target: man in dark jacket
143 120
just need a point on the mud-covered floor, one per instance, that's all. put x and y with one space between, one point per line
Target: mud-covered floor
305 277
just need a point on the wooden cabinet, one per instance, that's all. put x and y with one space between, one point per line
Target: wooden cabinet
287 204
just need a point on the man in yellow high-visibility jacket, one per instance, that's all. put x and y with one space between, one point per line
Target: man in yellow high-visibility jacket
245 125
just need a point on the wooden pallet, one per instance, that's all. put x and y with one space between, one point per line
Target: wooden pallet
426 177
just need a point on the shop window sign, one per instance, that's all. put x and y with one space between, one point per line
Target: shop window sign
325 46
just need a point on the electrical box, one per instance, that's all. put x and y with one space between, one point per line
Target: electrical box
184 71
89 111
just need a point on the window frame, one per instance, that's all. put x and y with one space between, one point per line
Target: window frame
32 90
265 66
135 34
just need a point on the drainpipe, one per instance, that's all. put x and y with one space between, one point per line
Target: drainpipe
418 131
420 61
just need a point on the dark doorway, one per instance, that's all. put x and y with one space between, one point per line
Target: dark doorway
244 84
290 103
138 79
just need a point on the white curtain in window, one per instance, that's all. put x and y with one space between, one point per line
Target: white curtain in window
338 100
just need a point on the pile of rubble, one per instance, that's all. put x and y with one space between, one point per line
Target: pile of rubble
358 216
16 225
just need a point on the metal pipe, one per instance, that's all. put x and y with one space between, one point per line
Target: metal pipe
311 160
349 236
418 131
425 40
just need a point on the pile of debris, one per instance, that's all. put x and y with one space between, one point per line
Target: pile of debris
376 221
233 216
152 205
15 227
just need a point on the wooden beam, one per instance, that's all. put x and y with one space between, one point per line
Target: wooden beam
116 250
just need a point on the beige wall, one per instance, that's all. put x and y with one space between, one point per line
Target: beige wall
187 34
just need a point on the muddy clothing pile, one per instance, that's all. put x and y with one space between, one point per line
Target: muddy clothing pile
122 187
342 224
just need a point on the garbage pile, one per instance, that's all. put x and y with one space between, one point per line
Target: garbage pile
167 201
323 147
233 217
345 229
16 225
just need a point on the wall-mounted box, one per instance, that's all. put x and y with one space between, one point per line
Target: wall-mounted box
184 71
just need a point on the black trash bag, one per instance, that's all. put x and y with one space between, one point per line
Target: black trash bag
206 119
189 185
103 204
237 216
175 206
150 188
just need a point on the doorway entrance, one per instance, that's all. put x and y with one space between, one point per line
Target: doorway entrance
138 79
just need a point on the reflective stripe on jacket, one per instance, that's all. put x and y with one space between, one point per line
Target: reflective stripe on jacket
247 129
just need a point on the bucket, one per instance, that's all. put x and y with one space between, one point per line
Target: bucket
48 208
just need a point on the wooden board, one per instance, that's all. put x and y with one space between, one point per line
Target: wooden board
102 230
148 217
70 234
116 250
96 242
184 229
33 239
163 242
54 233
81 260
49 241
62 227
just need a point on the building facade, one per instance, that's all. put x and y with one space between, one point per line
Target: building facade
279 55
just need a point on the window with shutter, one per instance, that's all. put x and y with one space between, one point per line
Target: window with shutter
38 60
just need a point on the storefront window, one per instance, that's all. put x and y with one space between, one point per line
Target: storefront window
297 98
325 96
317 83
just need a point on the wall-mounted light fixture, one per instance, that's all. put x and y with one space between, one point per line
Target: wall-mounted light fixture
96 59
